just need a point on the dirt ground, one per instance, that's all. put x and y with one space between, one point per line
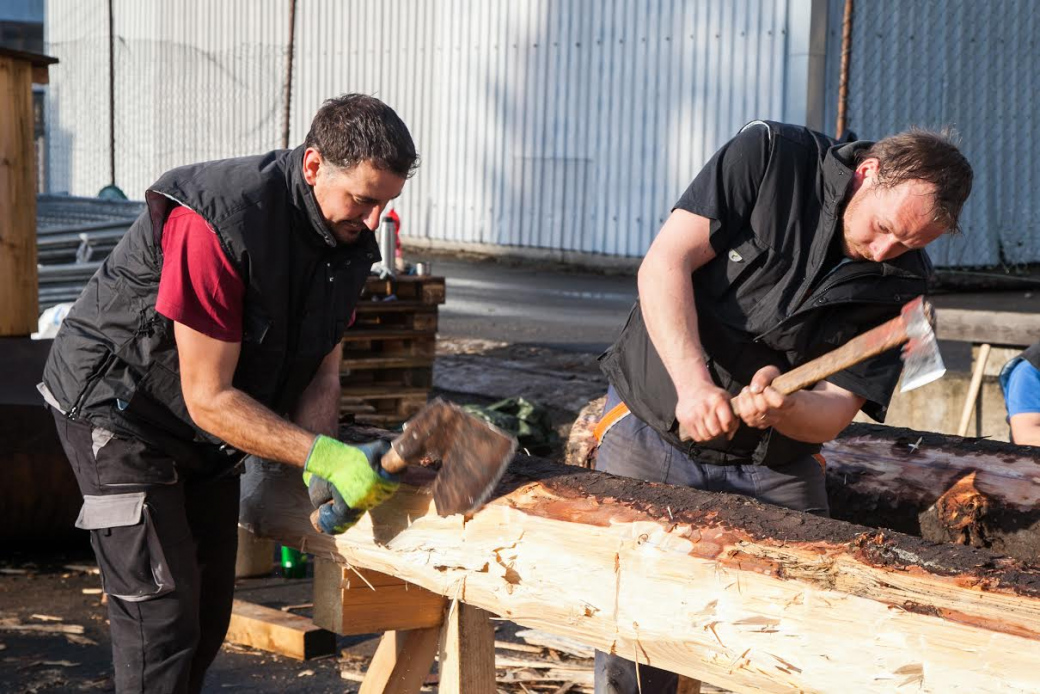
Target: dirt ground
57 588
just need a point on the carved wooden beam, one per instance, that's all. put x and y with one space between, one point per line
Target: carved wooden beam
718 587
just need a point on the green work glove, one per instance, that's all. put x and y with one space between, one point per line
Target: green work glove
344 481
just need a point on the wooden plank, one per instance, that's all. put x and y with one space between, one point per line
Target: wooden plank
19 302
360 601
377 392
361 335
402 661
272 630
467 651
717 587
401 362
895 478
365 307
1003 328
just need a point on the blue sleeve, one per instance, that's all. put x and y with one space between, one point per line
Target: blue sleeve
1023 389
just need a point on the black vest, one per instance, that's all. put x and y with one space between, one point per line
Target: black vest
114 361
778 306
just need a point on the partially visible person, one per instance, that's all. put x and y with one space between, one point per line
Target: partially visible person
1020 381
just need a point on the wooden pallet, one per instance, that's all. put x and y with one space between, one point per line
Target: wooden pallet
388 377
387 367
427 290
396 315
386 407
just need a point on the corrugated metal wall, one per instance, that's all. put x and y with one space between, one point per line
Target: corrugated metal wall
975 66
560 125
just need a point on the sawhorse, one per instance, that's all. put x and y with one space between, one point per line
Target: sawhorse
417 626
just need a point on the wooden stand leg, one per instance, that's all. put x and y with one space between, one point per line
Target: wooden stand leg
688 685
402 661
467 652
255 555
973 390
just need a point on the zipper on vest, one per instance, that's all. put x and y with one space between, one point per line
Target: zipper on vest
91 383
820 299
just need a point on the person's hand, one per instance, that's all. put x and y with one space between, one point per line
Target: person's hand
344 481
759 405
704 413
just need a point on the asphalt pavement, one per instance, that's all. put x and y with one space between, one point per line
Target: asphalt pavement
559 309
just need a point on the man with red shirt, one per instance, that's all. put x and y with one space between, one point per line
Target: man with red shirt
213 331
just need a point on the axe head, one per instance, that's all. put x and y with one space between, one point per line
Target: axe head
922 362
473 454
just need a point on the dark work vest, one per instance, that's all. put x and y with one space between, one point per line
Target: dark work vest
114 361
761 311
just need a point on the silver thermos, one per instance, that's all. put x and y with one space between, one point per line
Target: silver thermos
387 246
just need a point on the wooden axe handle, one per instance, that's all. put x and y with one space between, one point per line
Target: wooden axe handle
860 348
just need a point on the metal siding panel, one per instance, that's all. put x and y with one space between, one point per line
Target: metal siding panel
974 66
571 126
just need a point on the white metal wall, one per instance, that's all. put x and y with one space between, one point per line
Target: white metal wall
975 66
548 124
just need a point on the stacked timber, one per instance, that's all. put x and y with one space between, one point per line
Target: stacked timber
387 367
721 588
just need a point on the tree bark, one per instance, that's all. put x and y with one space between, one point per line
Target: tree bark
943 488
717 587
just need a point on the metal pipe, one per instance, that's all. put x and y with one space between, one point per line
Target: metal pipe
111 94
288 75
843 82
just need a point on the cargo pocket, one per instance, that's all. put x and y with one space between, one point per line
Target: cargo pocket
133 565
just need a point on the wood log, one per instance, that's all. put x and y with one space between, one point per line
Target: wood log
943 488
1007 328
717 587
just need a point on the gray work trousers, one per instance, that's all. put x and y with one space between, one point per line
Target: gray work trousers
631 448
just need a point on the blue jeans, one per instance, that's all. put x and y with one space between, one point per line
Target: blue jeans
631 448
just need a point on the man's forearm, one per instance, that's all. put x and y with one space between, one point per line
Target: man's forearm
817 416
670 314
244 423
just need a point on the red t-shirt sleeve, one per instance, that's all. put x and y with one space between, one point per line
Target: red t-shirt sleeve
199 287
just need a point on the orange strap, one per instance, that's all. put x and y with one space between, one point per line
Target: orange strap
821 460
616 414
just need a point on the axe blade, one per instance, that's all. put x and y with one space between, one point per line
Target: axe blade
922 362
473 460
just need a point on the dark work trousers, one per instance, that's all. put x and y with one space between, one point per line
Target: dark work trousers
165 542
631 448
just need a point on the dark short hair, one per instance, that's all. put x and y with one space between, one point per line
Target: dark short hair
926 155
350 129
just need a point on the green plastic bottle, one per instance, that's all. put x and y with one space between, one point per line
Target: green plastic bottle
294 563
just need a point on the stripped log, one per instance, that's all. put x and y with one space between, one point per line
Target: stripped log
944 488
717 587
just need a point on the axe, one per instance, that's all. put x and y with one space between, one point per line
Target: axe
473 454
922 362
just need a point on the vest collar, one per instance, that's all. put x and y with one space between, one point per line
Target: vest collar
303 196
